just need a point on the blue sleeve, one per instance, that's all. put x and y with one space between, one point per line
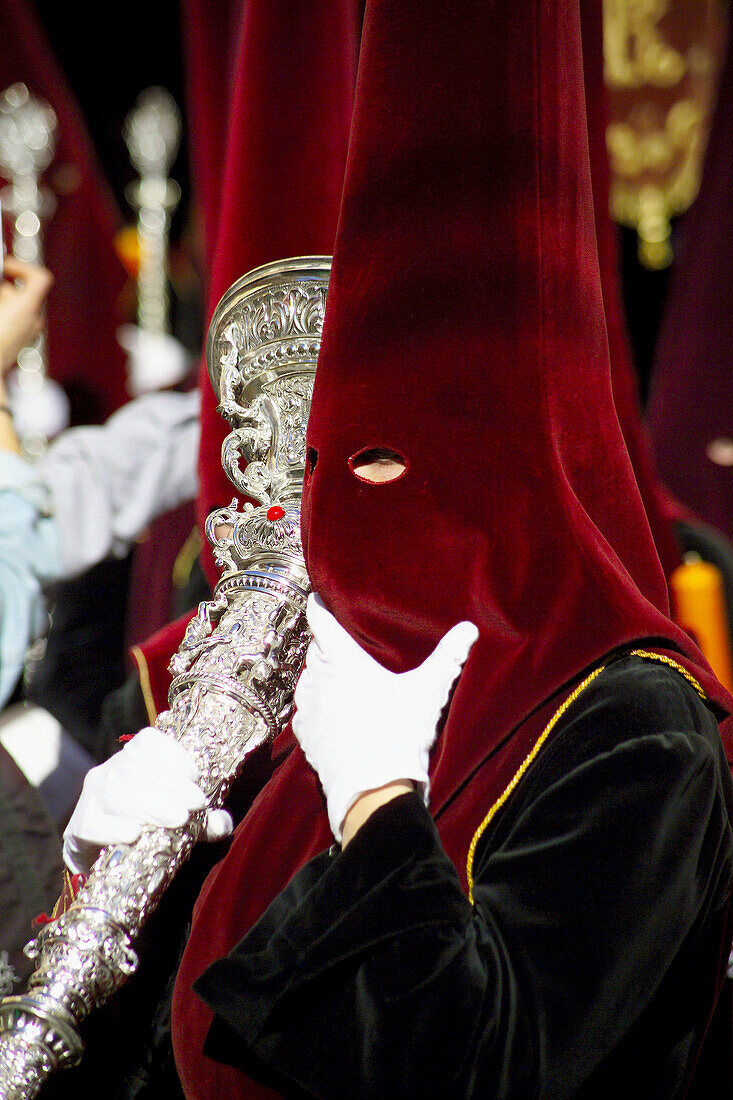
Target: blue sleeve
29 558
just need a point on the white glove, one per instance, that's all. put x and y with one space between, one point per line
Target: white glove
361 726
45 410
152 781
154 359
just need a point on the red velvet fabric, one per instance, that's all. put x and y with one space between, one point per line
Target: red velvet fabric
270 97
464 330
659 507
154 653
286 147
691 399
151 592
151 658
210 35
79 241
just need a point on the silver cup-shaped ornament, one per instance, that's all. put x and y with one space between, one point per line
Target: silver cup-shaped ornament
234 675
152 133
28 134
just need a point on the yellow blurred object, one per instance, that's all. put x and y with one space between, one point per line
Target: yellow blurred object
661 62
187 555
127 247
699 603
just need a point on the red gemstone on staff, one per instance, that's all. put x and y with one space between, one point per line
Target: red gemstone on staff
276 512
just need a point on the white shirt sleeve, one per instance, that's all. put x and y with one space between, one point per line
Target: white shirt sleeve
94 491
104 484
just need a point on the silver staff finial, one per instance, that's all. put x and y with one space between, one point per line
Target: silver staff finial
28 130
152 133
234 674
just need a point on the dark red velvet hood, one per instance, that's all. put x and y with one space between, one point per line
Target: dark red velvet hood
465 330
210 35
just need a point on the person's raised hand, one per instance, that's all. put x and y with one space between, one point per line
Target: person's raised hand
362 727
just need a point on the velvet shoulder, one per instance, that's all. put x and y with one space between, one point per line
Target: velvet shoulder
636 708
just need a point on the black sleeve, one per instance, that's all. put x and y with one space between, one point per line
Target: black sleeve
371 975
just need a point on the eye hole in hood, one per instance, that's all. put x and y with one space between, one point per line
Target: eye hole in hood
377 465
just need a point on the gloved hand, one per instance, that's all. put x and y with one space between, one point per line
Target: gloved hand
360 726
154 359
152 781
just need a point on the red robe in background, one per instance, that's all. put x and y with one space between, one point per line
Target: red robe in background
83 315
289 122
210 36
269 187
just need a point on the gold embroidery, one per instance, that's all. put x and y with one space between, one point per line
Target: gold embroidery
661 62
635 50
543 737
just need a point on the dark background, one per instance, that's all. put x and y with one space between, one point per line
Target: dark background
107 71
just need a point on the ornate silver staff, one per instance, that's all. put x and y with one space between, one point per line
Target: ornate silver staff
152 133
234 674
27 146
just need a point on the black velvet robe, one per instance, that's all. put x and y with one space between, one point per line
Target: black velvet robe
587 966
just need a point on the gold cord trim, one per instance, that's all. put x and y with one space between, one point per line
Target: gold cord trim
543 737
672 664
185 558
142 668
522 769
66 888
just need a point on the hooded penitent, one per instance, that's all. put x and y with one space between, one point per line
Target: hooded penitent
464 332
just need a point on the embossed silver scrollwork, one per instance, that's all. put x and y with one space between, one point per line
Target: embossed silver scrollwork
233 677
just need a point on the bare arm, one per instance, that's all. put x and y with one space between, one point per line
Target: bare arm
370 801
21 308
